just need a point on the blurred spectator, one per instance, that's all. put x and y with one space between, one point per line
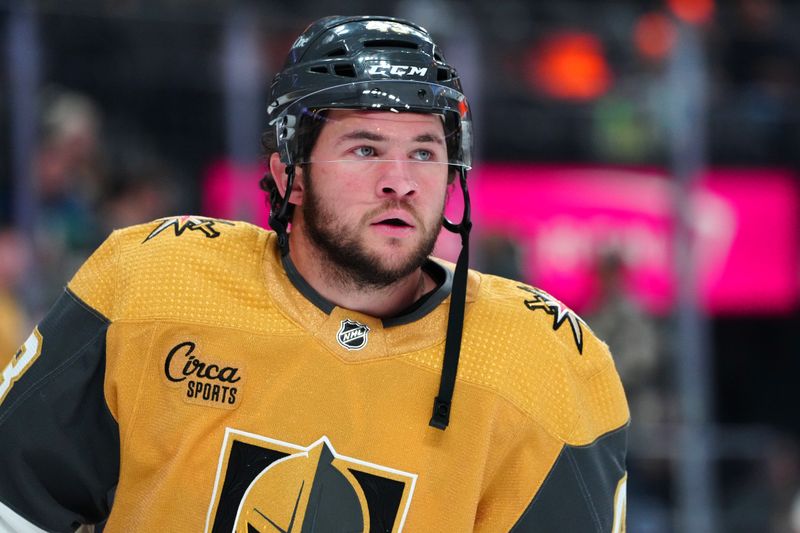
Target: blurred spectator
633 338
69 179
500 255
133 202
14 260
760 52
68 170
760 58
140 189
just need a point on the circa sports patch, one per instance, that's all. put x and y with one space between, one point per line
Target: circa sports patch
263 484
203 378
352 335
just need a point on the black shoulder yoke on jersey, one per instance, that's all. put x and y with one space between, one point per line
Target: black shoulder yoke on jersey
57 412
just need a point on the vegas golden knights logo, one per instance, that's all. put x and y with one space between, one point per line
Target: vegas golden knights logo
265 485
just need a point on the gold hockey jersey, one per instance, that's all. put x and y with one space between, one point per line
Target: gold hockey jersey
190 380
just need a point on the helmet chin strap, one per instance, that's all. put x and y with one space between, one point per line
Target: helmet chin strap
279 210
455 320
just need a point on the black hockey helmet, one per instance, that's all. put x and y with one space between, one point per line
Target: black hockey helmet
374 63
369 63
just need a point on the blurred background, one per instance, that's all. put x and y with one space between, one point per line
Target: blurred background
638 159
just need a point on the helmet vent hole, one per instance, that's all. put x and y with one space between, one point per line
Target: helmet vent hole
337 52
345 69
390 43
319 69
443 74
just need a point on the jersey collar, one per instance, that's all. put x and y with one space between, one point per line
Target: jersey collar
442 275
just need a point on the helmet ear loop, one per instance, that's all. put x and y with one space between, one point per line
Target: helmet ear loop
279 209
462 228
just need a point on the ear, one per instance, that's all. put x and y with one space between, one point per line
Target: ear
278 171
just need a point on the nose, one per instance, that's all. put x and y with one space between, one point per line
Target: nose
397 180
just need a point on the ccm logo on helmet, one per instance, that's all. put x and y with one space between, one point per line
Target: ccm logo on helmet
385 69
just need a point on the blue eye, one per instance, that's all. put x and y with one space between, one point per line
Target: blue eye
423 155
364 151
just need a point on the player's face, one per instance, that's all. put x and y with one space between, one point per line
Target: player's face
375 192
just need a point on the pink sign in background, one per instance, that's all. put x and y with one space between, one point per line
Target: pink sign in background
231 191
745 229
744 226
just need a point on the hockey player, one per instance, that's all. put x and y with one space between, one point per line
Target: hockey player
207 375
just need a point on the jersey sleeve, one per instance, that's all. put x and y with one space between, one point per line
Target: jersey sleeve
585 490
573 482
59 443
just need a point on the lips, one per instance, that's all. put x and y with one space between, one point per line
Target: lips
395 219
396 223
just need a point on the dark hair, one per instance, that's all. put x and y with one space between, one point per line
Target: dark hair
308 131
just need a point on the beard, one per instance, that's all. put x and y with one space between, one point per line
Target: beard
347 260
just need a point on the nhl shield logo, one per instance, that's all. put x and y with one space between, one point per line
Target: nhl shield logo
352 335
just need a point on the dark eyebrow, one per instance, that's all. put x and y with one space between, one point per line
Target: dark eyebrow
376 137
361 135
428 138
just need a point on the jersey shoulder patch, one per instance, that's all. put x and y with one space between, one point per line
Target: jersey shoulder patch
177 226
169 266
539 300
538 309
545 359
